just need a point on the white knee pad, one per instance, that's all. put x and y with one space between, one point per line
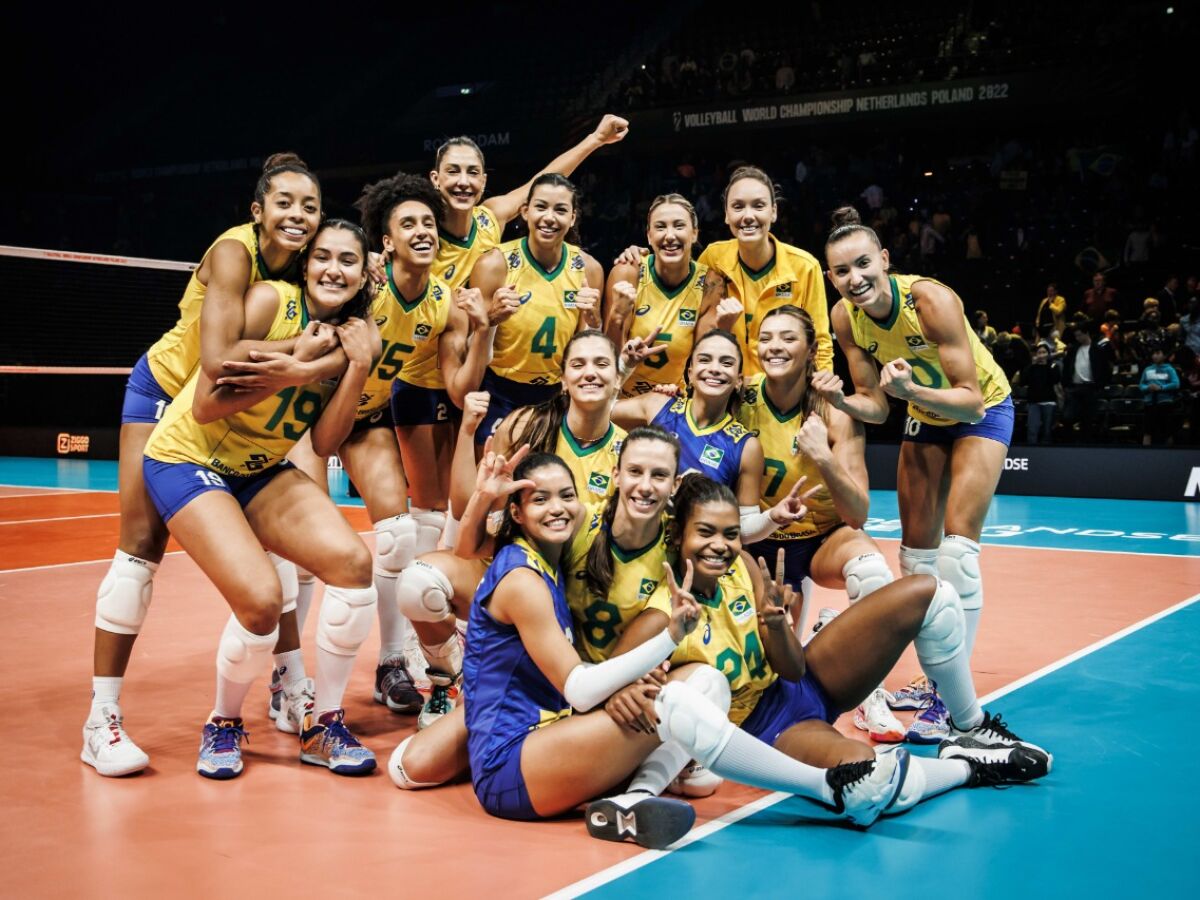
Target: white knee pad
430 523
958 563
124 596
918 561
944 632
397 773
242 655
395 545
713 685
865 574
688 717
289 580
423 593
345 620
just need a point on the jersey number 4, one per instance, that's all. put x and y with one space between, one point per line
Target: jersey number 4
543 339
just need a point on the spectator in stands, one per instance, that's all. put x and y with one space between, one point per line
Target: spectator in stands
1124 358
1098 298
1011 353
985 332
1111 323
1053 309
1190 325
1047 334
1160 390
1150 333
1087 369
1042 381
1169 300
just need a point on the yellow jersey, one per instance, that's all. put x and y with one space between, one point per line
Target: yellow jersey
600 621
783 463
173 358
726 637
793 276
592 466
410 333
529 345
674 310
455 258
900 336
253 439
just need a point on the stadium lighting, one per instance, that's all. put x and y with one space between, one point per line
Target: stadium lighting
928 174
464 91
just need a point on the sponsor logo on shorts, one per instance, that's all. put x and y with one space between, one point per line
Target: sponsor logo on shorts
598 483
711 456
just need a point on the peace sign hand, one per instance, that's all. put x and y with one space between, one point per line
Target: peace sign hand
494 478
777 597
794 506
685 611
637 349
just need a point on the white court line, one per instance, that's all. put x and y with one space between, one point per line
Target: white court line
648 856
49 492
987 543
61 519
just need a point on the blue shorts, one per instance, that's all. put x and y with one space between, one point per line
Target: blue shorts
797 555
173 486
145 400
996 424
506 396
414 405
501 790
786 703
381 418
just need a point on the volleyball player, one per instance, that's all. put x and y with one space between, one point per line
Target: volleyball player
960 414
215 469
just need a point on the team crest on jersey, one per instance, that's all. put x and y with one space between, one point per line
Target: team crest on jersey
646 588
909 301
598 483
643 309
616 447
524 298
514 260
450 270
711 456
576 262
437 293
679 405
687 318
742 609
292 310
422 331
916 342
483 219
569 298
784 291
750 396
735 431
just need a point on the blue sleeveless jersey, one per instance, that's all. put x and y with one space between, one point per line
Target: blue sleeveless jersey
715 451
506 694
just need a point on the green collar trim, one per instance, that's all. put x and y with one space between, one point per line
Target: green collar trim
406 305
671 293
548 274
628 556
466 242
575 446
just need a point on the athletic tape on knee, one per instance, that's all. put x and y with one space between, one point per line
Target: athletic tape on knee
241 654
944 631
430 523
289 580
395 544
345 619
865 574
123 599
397 773
958 563
687 716
918 561
713 685
423 593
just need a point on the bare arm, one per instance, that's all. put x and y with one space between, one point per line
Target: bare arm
868 403
750 474
522 599
772 597
640 410
362 345
464 348
836 445
610 130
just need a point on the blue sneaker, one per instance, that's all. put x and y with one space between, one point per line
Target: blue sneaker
326 741
932 726
221 748
917 694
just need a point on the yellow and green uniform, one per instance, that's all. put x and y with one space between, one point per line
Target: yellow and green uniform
600 621
726 638
673 310
793 276
253 439
529 345
456 258
783 464
900 336
174 357
411 332
592 466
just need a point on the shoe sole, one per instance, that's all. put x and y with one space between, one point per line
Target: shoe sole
654 823
220 774
1026 773
361 769
409 709
882 737
950 745
107 772
913 737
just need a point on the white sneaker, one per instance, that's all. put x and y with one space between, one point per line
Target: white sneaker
295 704
443 697
106 746
414 661
863 791
824 617
874 717
695 781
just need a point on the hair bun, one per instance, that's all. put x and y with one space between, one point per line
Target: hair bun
275 160
846 215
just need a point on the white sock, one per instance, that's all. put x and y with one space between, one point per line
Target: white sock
972 616
449 533
290 666
750 761
333 674
933 776
445 657
393 624
304 599
106 689
956 688
660 768
230 697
